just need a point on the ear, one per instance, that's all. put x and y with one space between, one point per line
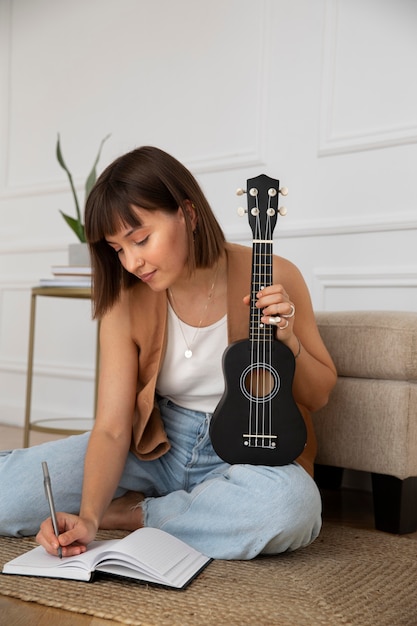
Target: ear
192 213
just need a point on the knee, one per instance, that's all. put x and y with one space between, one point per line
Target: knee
291 538
284 501
301 523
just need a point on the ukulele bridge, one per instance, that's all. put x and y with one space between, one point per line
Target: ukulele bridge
260 441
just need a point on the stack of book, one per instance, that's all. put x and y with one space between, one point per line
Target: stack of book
68 276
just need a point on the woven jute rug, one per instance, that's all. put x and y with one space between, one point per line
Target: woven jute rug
348 576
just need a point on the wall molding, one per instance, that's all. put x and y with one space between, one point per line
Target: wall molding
327 278
49 369
34 246
222 162
358 225
331 141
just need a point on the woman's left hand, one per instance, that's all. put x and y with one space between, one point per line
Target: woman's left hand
277 310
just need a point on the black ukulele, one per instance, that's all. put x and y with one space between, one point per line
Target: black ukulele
257 420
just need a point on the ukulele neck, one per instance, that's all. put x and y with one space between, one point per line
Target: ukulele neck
261 278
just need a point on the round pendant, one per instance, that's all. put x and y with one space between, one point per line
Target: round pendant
188 354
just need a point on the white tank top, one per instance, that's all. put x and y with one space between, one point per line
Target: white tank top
196 383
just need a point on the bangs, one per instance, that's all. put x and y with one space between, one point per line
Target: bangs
115 210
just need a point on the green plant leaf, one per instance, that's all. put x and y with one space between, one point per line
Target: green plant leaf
76 226
64 167
92 177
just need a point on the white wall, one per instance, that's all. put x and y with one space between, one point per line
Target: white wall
321 95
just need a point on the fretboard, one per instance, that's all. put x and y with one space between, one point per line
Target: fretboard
261 277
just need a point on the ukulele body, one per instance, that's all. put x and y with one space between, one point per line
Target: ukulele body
257 420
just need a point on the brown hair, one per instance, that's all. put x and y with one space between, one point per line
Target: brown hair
151 179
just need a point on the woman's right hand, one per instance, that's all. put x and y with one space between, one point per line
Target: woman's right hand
75 533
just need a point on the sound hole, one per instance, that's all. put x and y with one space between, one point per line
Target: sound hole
259 383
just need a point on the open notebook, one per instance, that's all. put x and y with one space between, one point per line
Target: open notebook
148 554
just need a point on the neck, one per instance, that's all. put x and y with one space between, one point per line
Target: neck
203 290
197 283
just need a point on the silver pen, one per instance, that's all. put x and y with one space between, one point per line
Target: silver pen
49 496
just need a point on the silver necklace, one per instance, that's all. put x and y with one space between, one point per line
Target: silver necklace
189 352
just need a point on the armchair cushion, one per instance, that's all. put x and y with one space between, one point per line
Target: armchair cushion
370 422
371 344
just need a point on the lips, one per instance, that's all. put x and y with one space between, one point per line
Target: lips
146 278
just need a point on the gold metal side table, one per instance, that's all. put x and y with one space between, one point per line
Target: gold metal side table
62 426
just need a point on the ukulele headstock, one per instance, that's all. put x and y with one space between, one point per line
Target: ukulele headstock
262 199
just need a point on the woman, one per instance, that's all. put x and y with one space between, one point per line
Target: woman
171 294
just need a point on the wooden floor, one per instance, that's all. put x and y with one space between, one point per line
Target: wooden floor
352 507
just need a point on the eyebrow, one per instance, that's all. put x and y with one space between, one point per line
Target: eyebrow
126 235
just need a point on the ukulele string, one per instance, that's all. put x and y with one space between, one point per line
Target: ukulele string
259 286
258 382
253 407
268 332
262 420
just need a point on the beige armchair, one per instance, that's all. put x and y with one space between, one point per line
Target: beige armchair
370 422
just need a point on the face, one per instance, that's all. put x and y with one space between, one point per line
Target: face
157 251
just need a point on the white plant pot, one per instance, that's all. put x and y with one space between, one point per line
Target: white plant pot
79 254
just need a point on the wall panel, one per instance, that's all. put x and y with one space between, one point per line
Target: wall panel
370 55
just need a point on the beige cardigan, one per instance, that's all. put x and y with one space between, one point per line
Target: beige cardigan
148 317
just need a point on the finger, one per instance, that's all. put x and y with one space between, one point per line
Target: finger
73 537
272 290
47 530
277 321
291 313
271 300
275 303
49 542
74 549
273 320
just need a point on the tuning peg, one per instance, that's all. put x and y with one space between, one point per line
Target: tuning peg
241 211
240 192
283 191
282 211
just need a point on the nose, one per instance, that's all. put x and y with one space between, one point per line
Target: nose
132 261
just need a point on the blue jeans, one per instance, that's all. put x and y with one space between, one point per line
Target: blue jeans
225 511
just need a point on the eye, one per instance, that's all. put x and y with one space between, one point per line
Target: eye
114 249
142 242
